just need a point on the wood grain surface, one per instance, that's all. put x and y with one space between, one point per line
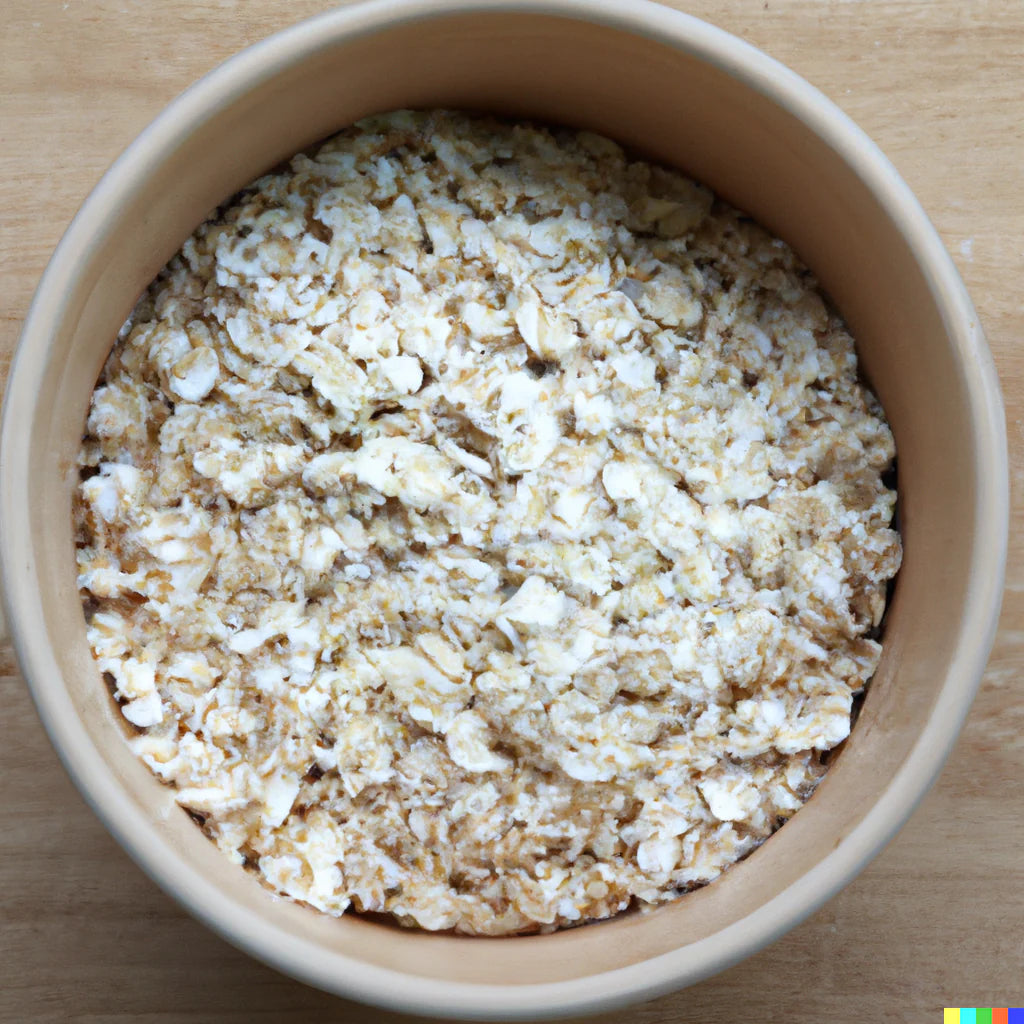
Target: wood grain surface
937 920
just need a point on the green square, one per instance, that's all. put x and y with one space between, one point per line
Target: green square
983 1016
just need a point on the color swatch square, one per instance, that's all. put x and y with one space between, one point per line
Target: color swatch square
967 1015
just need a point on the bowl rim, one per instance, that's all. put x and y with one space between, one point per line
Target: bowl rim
389 987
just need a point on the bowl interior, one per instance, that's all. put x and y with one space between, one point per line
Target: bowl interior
679 108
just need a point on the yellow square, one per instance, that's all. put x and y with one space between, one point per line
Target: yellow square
951 1015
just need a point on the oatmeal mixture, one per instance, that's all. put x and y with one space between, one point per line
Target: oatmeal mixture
483 527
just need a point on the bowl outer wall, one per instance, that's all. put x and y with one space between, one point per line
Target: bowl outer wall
394 988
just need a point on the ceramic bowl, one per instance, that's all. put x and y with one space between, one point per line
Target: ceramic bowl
681 92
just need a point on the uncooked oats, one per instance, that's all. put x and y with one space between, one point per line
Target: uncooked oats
484 527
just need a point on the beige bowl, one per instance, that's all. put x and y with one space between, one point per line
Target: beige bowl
687 94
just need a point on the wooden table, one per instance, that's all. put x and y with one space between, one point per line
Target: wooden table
938 918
